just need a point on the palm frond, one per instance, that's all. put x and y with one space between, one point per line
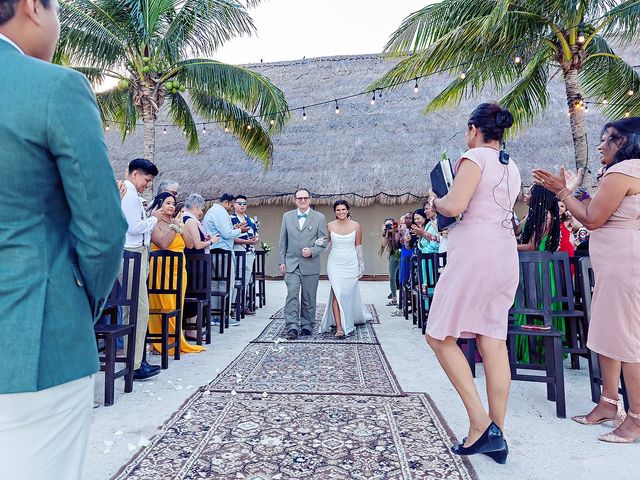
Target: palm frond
254 140
625 22
200 27
181 114
95 75
254 92
607 77
117 106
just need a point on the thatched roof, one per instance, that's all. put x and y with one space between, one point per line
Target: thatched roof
381 153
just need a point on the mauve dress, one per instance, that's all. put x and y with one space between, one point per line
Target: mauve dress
477 287
614 329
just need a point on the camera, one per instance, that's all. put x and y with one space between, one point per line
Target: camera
388 226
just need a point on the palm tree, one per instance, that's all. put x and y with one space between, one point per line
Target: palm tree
517 47
157 50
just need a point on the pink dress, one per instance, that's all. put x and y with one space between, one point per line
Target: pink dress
614 330
477 287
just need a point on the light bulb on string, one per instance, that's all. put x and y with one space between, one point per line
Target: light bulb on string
373 98
107 127
416 89
304 114
204 128
272 121
605 101
586 109
337 108
248 127
127 132
627 114
226 127
581 38
631 92
164 130
517 60
463 76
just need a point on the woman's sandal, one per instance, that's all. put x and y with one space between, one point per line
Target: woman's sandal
340 334
392 303
615 438
617 420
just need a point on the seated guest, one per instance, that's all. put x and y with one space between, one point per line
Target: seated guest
612 216
541 231
168 235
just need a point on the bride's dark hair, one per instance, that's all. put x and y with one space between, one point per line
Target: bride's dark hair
342 202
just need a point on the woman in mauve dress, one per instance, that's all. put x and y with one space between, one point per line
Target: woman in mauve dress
477 287
613 216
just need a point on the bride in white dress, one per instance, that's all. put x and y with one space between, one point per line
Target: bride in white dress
345 266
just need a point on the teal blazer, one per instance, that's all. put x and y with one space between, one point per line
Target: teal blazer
61 226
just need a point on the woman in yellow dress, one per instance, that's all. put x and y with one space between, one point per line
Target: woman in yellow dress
169 234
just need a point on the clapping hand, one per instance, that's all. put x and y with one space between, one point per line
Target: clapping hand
421 232
574 180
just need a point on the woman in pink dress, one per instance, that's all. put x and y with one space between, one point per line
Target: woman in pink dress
613 216
478 285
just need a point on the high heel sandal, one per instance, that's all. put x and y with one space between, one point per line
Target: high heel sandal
490 443
617 420
615 438
340 334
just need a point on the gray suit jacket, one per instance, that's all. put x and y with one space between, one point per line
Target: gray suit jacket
293 240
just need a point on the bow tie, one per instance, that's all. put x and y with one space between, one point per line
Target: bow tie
302 215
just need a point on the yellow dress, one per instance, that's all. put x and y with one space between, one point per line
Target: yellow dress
157 301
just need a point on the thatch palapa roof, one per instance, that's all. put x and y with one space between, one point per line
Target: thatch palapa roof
367 153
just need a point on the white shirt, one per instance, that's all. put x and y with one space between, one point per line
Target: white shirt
302 220
140 227
11 42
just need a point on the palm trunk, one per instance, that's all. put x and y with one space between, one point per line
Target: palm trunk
578 127
149 121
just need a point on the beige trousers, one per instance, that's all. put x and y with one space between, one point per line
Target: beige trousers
43 435
143 304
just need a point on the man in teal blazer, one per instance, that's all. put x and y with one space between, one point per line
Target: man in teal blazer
61 240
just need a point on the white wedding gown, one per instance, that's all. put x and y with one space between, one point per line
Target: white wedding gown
342 270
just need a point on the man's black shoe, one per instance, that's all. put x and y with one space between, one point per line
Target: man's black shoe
390 296
305 333
292 334
146 371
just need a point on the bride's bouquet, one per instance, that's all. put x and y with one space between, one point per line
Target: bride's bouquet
265 247
321 242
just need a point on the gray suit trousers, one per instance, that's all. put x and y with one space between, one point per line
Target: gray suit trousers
301 311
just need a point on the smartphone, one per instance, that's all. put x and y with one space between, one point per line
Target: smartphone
395 225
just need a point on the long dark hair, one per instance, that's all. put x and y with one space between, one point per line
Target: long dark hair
542 201
423 214
159 200
342 202
492 120
629 130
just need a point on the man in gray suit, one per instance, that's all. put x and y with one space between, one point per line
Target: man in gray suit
303 237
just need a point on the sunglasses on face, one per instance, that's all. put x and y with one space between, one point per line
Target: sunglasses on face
241 203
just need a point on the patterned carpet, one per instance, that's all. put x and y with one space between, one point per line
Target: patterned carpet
275 331
312 410
309 368
368 307
314 437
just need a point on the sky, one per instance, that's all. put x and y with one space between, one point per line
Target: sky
292 29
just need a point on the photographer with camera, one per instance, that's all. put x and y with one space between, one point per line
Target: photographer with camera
390 243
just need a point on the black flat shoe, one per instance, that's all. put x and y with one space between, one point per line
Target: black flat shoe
305 332
146 371
292 334
490 442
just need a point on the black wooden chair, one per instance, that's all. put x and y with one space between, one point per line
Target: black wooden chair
124 294
166 269
587 282
534 301
250 290
221 285
434 265
415 287
198 293
260 277
240 284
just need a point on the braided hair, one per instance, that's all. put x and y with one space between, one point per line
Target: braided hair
542 202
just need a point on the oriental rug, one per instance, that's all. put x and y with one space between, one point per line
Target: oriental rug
275 332
309 368
368 307
313 437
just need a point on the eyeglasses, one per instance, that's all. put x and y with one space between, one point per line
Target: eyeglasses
241 203
302 198
173 192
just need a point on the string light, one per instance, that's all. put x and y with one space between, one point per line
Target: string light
373 99
605 101
518 59
581 38
463 76
272 121
107 127
631 92
416 89
248 127
164 130
226 127
337 108
127 131
304 114
204 128
627 114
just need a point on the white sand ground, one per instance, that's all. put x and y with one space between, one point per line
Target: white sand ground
542 446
